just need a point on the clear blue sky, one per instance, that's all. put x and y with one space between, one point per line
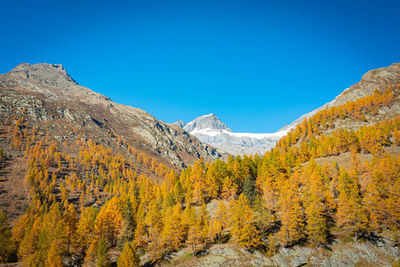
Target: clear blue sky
258 65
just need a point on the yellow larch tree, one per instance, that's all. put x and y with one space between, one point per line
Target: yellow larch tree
173 232
109 220
290 214
198 230
71 221
351 214
229 189
220 222
128 256
198 179
154 224
85 229
316 223
243 230
54 255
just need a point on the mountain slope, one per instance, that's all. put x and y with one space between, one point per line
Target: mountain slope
43 101
378 79
51 98
359 119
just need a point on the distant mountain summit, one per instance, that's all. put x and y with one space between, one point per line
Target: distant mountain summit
209 121
211 130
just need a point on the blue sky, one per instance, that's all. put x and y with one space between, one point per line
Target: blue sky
258 65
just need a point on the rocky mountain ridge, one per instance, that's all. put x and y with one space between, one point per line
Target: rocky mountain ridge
377 79
46 94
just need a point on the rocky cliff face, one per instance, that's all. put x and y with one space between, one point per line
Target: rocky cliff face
48 96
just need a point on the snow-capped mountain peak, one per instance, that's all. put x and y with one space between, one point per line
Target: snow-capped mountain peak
211 130
209 121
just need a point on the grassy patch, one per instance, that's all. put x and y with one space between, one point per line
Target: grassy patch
348 239
182 259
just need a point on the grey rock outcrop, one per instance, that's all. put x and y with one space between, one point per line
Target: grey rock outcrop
353 254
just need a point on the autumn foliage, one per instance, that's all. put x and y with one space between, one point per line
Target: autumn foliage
88 200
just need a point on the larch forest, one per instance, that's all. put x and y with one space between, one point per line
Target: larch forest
93 203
